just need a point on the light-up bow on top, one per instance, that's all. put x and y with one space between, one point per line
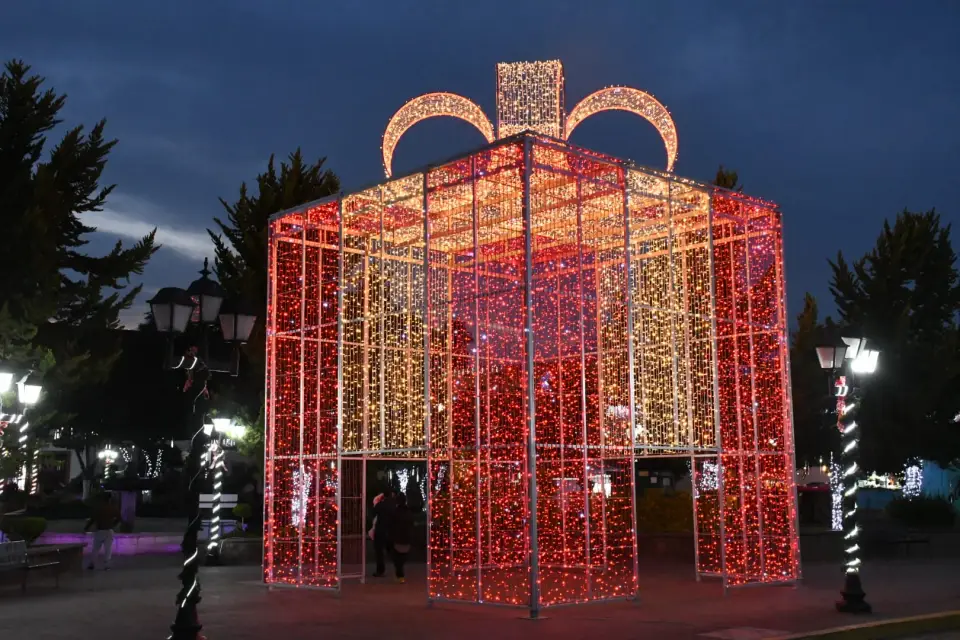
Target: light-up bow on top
530 96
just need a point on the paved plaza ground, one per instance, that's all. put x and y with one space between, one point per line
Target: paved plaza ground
135 600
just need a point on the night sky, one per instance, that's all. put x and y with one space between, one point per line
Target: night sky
843 113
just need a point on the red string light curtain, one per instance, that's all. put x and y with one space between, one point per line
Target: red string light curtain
301 462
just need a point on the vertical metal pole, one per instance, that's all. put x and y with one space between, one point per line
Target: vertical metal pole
321 249
488 421
758 484
269 413
788 426
382 336
301 514
531 385
409 401
721 491
426 368
365 347
631 379
476 368
562 501
583 394
736 349
448 398
339 470
601 401
673 314
687 315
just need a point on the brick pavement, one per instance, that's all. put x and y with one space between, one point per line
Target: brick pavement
135 600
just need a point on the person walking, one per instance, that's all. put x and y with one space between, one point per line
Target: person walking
401 535
383 519
105 518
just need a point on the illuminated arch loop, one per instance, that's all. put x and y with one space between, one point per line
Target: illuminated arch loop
431 105
631 100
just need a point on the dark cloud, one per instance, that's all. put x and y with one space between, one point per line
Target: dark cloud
843 113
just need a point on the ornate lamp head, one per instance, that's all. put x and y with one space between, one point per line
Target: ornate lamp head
530 97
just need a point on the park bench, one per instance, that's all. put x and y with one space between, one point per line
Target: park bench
906 541
14 560
893 541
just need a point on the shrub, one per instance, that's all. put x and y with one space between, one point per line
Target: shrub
243 511
23 528
922 512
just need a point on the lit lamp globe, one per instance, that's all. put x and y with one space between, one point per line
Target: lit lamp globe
221 425
6 381
866 361
28 394
171 309
832 356
237 320
208 295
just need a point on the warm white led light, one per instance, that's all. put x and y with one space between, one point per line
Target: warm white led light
633 101
431 105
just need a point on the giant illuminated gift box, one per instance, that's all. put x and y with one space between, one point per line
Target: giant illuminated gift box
579 312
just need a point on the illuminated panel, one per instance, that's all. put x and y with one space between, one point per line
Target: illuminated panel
383 326
431 105
674 380
530 96
401 313
301 506
581 379
759 507
478 516
631 100
656 305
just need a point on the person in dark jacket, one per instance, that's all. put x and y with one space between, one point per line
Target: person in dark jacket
105 518
383 518
401 535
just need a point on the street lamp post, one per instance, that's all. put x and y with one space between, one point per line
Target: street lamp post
28 394
852 354
108 455
173 310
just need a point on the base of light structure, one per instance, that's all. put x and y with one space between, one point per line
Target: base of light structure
398 326
854 598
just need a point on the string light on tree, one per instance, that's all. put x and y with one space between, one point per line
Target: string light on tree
836 495
913 480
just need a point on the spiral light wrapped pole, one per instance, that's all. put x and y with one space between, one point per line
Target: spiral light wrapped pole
848 359
216 467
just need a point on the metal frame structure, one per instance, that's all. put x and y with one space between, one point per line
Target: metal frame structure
529 318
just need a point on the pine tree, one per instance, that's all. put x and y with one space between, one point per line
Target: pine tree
70 299
903 296
814 422
727 180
